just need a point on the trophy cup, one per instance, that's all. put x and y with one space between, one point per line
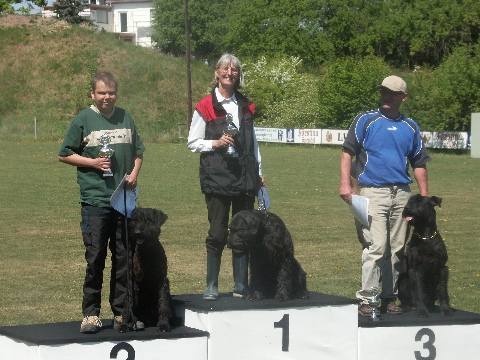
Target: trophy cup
374 302
230 130
105 151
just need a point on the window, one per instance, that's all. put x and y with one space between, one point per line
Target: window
123 22
102 16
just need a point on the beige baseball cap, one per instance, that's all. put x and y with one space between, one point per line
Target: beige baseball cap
394 83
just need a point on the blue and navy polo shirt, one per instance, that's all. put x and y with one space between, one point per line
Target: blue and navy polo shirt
384 148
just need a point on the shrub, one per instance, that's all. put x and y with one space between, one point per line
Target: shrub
444 99
347 88
284 96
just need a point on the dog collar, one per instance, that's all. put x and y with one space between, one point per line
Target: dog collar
427 237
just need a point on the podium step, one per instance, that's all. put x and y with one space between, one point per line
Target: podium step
400 337
64 341
321 327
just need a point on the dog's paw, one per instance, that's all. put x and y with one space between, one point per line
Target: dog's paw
256 295
407 308
123 328
164 327
303 295
281 297
446 311
422 313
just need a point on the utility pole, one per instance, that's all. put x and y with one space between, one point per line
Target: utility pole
187 58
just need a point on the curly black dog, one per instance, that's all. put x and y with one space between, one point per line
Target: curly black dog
152 302
426 276
274 272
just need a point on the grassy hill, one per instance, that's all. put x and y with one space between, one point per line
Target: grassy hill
46 67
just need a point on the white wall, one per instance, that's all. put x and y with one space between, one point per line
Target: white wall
102 18
138 20
475 128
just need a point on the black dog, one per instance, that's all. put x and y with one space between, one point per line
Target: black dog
152 303
274 272
426 276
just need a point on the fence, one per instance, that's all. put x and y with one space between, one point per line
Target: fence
432 139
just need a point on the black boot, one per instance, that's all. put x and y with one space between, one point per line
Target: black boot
213 268
240 274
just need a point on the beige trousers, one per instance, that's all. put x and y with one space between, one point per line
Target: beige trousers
382 260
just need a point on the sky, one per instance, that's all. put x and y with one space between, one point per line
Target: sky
35 10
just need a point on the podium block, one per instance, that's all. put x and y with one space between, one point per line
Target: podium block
403 337
321 327
61 341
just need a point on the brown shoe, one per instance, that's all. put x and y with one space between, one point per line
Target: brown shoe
365 310
393 308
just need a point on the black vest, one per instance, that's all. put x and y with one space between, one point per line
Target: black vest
229 176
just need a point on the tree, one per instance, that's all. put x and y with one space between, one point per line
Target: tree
206 22
276 28
285 96
406 33
6 5
69 11
169 26
346 47
432 29
444 99
348 88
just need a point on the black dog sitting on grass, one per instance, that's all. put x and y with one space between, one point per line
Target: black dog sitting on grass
152 303
274 272
426 276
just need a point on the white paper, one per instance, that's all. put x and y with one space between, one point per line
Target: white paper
359 209
117 200
263 199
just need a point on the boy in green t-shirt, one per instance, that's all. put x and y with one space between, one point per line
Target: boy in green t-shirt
101 225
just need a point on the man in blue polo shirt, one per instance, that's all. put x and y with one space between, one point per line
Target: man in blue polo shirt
384 142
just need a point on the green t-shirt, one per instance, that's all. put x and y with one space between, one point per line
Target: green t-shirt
83 138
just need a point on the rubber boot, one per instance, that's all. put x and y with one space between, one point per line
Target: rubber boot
240 274
213 268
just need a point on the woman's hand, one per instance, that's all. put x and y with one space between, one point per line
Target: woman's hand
223 142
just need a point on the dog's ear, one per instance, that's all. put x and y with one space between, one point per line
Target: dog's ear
250 222
256 219
160 218
436 201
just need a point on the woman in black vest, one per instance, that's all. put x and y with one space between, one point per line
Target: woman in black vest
228 180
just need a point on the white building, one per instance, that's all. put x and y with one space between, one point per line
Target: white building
130 20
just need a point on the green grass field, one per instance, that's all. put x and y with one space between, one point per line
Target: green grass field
41 250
